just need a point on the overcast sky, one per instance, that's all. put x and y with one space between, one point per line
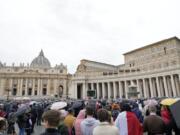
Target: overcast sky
71 30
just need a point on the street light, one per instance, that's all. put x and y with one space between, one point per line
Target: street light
8 90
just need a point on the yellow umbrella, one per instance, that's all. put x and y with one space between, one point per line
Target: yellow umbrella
169 101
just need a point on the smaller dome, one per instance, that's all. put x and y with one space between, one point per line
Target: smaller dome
41 61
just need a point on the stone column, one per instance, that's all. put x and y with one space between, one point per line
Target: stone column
26 87
165 86
120 90
75 92
151 88
126 90
48 87
20 87
138 88
161 86
109 90
55 86
144 88
115 90
169 86
147 87
173 86
84 90
97 85
176 80
103 90
178 90
158 87
39 87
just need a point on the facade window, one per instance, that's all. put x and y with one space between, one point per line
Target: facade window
30 91
35 92
164 50
14 92
44 91
23 92
61 71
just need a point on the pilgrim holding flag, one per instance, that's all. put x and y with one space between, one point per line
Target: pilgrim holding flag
127 122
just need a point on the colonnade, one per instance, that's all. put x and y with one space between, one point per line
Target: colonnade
160 86
30 87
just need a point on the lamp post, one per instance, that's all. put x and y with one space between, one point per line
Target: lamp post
8 90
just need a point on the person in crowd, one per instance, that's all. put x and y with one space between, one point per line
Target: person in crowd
166 116
88 124
21 121
79 119
2 112
137 112
115 111
69 120
39 114
11 123
28 127
153 124
2 126
104 127
51 120
62 128
127 122
33 116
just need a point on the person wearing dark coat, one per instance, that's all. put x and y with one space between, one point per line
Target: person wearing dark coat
33 116
28 127
21 121
51 120
154 124
39 114
137 112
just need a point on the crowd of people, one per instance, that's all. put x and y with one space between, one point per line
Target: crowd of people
92 117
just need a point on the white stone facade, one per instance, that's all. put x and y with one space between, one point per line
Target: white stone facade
37 80
153 69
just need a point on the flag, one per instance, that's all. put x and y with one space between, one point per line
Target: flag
128 124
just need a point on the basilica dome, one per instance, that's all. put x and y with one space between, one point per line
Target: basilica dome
41 61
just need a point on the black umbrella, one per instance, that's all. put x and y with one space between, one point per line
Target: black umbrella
175 110
22 110
12 117
77 104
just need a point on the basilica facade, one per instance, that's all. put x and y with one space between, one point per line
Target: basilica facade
37 80
154 70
